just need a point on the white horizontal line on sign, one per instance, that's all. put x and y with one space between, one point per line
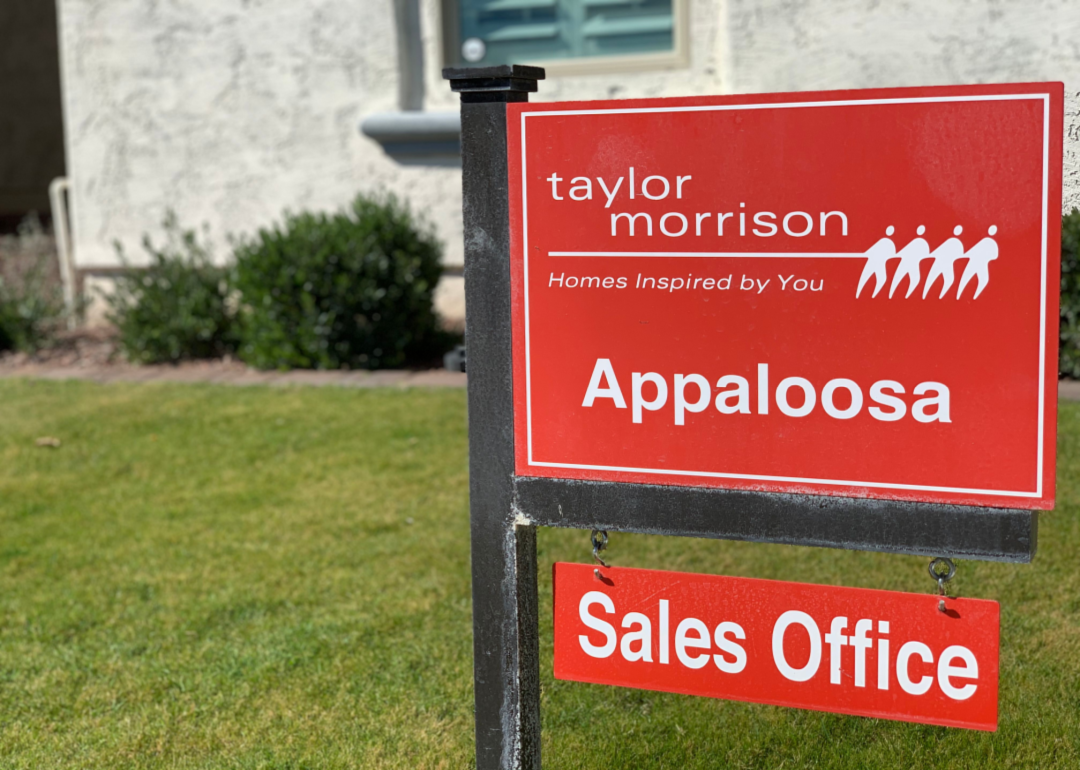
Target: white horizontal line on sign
766 254
789 105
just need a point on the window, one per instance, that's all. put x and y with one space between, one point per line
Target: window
566 35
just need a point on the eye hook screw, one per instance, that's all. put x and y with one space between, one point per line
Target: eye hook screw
599 543
941 571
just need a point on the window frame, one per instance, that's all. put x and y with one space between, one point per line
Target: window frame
677 58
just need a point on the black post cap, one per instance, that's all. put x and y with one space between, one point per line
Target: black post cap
504 83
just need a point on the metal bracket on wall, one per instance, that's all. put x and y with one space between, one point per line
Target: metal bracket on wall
417 138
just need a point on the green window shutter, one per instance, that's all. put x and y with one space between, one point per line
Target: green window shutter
525 31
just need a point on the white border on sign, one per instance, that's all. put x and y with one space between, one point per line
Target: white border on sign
779 106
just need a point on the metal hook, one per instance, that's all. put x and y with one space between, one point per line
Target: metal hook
942 571
599 543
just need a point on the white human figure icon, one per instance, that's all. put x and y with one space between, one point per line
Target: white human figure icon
877 256
979 258
945 257
910 257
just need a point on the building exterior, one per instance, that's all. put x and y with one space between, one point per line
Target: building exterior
232 111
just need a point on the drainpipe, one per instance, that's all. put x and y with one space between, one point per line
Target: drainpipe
58 192
410 47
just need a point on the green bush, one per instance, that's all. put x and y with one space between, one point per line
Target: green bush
175 308
31 297
352 289
1069 360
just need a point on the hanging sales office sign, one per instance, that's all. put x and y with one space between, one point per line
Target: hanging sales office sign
848 650
848 293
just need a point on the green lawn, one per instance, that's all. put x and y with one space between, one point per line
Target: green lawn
208 577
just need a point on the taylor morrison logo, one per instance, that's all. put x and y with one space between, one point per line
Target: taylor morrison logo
945 258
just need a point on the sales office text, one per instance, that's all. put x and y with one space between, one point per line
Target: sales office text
675 224
693 641
840 398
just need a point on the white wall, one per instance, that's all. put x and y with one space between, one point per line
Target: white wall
230 111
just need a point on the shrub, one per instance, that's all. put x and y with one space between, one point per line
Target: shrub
352 289
1069 360
31 295
175 308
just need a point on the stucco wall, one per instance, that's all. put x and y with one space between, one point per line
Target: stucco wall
230 111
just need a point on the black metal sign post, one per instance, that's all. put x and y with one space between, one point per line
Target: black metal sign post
505 621
505 510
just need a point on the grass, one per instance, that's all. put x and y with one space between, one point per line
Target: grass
208 577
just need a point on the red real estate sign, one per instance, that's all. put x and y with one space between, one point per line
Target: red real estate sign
846 650
850 293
